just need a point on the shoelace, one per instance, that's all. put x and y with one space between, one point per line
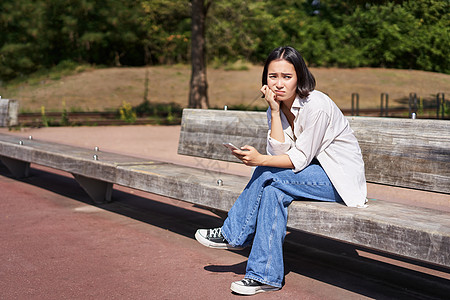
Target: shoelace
215 233
247 281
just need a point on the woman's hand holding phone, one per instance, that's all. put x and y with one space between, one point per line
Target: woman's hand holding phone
247 154
230 146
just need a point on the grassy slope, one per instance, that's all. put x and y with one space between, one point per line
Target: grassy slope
106 89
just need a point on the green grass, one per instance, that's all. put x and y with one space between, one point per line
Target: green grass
64 68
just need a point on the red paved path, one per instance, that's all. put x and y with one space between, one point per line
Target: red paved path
56 245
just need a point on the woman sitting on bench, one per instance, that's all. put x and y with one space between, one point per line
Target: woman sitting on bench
312 155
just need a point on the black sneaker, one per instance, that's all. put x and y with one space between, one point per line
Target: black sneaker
249 286
213 238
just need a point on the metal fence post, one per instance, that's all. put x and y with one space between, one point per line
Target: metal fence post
355 96
412 104
384 98
440 105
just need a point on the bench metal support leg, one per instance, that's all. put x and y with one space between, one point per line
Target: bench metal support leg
19 168
99 191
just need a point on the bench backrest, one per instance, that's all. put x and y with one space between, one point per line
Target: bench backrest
9 112
399 152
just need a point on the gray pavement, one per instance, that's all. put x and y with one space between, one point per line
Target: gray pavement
56 244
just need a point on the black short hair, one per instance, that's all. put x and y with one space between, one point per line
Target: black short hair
306 82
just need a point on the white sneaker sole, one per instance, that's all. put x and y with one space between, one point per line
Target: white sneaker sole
205 242
252 290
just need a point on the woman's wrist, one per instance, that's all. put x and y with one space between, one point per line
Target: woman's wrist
264 160
278 161
276 117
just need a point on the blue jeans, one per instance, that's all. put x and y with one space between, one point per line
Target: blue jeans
259 215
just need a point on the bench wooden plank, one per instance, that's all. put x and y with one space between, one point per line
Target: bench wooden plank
9 109
204 131
385 226
71 159
418 150
179 182
395 228
189 184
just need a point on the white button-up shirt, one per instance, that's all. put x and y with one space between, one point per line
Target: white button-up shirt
322 131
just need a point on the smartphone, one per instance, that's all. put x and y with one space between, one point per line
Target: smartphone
230 146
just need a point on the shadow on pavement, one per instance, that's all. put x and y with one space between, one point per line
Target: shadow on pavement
328 261
238 269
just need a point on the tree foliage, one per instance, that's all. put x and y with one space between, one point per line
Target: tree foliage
168 30
40 34
378 33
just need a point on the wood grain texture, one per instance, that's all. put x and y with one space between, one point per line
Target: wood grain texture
404 152
4 112
204 131
75 160
9 110
399 152
408 231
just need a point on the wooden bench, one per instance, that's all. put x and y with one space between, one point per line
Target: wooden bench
9 110
398 152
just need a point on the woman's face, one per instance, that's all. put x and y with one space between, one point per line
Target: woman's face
282 79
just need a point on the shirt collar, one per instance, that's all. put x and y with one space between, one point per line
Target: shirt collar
299 102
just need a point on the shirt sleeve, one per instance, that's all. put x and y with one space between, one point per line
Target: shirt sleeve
309 141
275 147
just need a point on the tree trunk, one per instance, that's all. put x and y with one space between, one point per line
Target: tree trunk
198 93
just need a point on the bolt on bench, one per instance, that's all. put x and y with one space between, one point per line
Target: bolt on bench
398 152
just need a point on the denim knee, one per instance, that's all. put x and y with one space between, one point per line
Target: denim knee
265 173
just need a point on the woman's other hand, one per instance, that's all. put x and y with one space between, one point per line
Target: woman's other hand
271 98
